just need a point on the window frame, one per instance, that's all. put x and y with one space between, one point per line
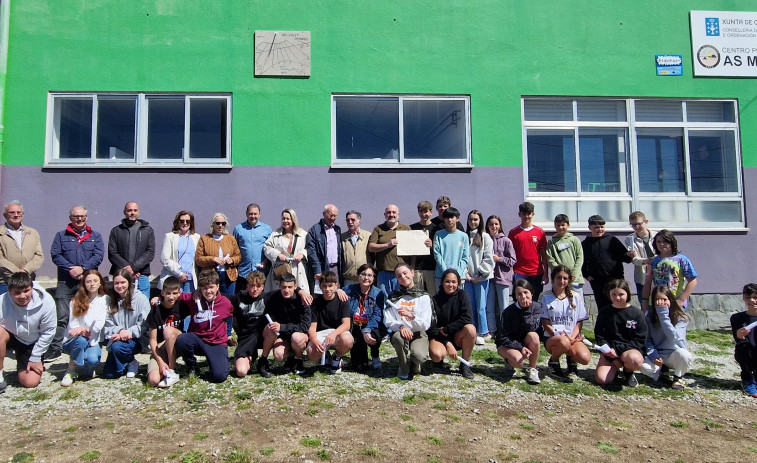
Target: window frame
401 162
634 196
52 143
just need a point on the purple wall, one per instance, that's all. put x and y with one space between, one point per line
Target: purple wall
724 262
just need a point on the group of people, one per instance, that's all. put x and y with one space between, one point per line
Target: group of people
322 293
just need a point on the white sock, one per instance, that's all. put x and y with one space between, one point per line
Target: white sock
1 376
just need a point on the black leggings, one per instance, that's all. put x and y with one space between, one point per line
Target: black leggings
359 352
746 357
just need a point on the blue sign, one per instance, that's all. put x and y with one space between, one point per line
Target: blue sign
712 27
669 65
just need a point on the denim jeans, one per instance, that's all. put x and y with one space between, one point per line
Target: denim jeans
82 354
143 285
496 302
121 353
478 294
388 280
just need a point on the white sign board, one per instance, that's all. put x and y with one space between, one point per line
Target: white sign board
724 43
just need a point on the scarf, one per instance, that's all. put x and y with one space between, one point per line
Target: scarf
83 237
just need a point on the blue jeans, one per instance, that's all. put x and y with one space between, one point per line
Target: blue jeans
3 288
388 280
188 286
478 294
121 353
496 302
143 285
82 354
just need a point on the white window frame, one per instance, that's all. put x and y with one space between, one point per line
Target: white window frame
633 195
52 143
402 162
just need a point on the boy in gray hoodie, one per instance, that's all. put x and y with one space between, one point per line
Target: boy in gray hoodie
27 325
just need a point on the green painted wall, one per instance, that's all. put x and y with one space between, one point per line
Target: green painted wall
494 50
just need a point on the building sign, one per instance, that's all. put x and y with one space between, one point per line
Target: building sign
724 43
669 65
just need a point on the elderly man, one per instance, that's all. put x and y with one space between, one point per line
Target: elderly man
383 242
324 250
131 246
251 235
20 248
74 250
354 248
27 325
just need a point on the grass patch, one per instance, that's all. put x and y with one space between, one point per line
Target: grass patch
163 423
433 440
267 451
70 429
490 415
717 339
110 425
406 418
510 456
195 456
35 395
310 441
428 395
297 387
411 399
246 406
453 417
324 454
312 412
439 406
521 415
90 455
607 447
434 460
619 424
371 452
751 449
238 455
410 428
679 424
325 404
486 356
710 423
515 436
200 436
703 371
528 426
242 396
68 394
22 457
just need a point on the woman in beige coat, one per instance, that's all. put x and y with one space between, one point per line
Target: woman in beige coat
287 245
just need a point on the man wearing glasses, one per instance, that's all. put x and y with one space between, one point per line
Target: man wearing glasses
74 250
20 248
354 248
131 246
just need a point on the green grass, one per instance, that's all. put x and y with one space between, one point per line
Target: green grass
267 451
515 436
488 356
434 460
22 457
35 395
410 428
406 418
751 449
195 456
68 394
90 455
453 417
163 423
410 399
242 396
521 415
324 454
310 441
618 423
371 452
433 440
720 340
245 406
710 423
490 415
428 395
607 447
439 406
312 412
528 426
238 455
70 429
679 424
200 436
110 425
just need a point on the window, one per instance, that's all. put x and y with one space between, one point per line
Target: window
678 161
398 130
113 129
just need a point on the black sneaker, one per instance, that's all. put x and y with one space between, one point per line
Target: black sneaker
572 366
299 367
557 373
263 368
3 386
440 366
289 365
52 355
465 371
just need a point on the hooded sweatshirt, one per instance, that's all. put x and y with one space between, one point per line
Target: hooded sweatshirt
33 324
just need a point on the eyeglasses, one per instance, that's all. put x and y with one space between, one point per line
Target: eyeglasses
351 220
190 221
367 275
219 223
78 217
636 224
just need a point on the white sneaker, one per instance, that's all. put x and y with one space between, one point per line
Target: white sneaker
169 379
376 363
132 368
69 377
403 374
336 365
533 376
480 341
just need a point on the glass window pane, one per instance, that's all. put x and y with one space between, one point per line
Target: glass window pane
611 211
716 211
710 111
659 210
207 128
434 129
548 110
602 110
165 128
367 128
75 128
547 210
712 154
659 111
116 127
603 157
551 161
660 159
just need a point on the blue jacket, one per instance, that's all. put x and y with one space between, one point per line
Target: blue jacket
316 247
374 306
67 252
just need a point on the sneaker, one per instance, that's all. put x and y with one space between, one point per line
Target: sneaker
299 367
486 337
750 388
554 368
533 376
403 373
132 368
631 380
416 368
480 341
191 369
572 367
263 368
376 363
52 355
69 377
336 365
289 365
439 366
678 383
465 371
170 378
3 386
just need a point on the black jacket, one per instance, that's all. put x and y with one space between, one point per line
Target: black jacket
118 247
452 313
621 329
516 323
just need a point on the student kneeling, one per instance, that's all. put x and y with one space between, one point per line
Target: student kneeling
454 324
331 326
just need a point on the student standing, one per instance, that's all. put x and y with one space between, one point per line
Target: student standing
451 246
565 249
639 244
670 268
604 255
499 285
530 245
480 269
